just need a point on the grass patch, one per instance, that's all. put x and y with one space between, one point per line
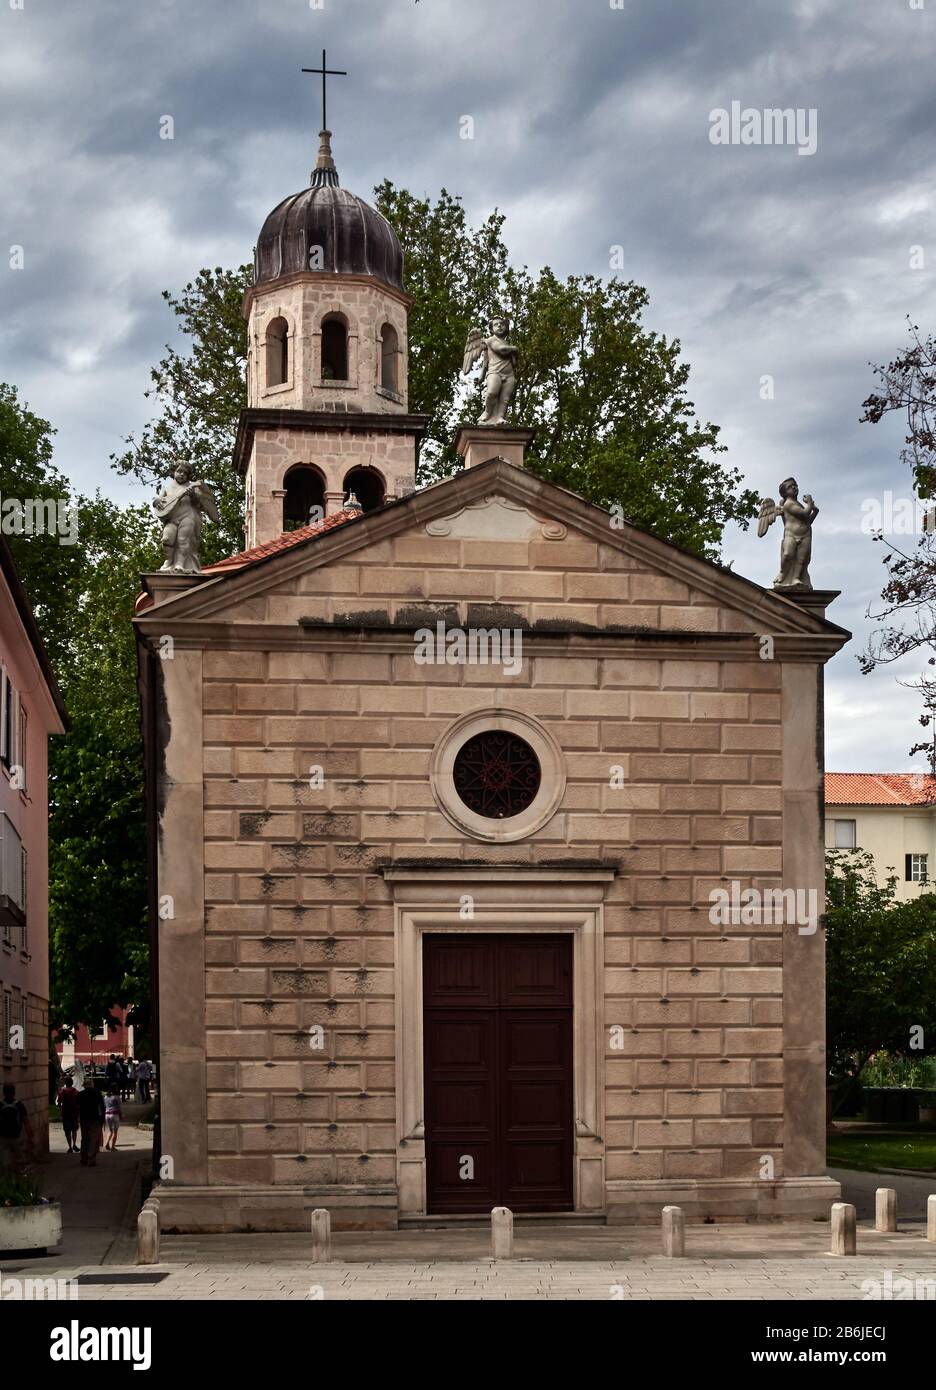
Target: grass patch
904 1147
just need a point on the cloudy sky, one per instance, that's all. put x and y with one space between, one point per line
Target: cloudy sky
591 130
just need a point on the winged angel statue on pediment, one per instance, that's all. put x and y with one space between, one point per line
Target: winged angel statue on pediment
796 546
500 360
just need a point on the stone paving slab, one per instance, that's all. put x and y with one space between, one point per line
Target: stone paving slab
732 1261
641 1276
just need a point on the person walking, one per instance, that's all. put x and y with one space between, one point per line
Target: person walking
113 1114
144 1076
67 1102
91 1118
14 1124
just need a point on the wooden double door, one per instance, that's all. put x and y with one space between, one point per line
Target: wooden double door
497 1040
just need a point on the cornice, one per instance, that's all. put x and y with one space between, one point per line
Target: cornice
254 418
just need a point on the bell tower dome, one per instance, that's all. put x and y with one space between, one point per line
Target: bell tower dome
327 390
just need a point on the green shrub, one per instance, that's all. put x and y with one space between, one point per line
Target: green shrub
17 1190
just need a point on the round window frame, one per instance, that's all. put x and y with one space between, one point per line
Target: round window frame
540 810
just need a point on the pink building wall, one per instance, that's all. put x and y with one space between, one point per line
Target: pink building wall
24 956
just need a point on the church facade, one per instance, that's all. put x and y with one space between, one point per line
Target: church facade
471 808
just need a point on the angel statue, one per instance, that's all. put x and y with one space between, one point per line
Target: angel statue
500 359
796 546
179 507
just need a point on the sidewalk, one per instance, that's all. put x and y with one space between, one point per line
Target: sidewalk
723 1262
593 1263
859 1188
99 1204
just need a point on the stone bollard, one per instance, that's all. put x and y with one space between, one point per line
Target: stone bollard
148 1235
321 1236
844 1229
885 1209
674 1232
931 1218
502 1233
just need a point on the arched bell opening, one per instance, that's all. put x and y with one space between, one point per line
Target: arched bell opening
304 502
334 349
367 486
277 352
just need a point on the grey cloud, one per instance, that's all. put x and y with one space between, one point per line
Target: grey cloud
591 131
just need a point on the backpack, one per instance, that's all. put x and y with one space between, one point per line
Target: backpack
11 1121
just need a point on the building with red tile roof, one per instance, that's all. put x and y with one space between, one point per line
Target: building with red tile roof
890 815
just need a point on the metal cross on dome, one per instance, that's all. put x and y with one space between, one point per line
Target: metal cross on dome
326 72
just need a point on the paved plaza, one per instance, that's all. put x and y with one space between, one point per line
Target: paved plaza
785 1262
723 1262
561 1260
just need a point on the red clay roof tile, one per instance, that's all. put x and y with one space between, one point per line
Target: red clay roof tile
880 789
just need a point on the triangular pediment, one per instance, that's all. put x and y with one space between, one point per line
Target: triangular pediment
490 517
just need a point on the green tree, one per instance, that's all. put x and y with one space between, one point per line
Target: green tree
97 836
455 275
83 596
52 574
606 396
607 399
880 966
200 394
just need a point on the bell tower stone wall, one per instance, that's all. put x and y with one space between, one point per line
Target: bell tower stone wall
299 415
364 307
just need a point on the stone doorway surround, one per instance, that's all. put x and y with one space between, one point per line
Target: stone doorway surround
504 898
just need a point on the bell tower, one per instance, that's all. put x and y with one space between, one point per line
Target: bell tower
327 391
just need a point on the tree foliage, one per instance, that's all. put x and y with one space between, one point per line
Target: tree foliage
607 399
880 964
83 596
907 617
200 393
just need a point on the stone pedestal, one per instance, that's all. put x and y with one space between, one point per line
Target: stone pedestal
815 601
478 443
163 584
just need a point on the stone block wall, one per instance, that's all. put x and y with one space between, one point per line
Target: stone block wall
674 774
304 301
334 453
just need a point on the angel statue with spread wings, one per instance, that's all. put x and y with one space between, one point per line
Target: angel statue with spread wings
500 360
796 547
179 507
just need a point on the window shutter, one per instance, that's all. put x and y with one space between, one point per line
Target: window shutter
908 868
23 869
21 750
3 713
14 712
